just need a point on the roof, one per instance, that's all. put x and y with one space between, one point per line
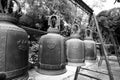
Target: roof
84 5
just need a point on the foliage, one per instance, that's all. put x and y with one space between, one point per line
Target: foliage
33 52
109 21
114 18
102 18
39 8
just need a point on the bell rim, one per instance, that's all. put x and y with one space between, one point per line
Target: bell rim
51 72
22 77
8 18
76 64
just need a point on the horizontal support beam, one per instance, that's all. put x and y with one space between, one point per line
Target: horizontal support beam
94 71
89 76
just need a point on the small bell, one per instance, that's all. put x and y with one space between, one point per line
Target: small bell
75 48
90 46
52 58
75 31
53 22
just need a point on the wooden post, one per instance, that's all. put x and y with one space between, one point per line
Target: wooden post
76 73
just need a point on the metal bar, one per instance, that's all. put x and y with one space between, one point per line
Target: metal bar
76 73
34 31
115 1
94 71
89 76
1 7
104 53
8 5
101 56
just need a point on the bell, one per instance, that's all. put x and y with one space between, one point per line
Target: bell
75 48
52 58
90 46
13 49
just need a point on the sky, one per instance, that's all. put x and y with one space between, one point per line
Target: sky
99 5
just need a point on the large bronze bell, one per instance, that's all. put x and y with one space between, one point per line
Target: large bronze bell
90 46
13 48
52 57
75 49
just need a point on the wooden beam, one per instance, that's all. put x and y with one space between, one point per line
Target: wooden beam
84 5
104 50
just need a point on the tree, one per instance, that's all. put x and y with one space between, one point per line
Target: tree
103 22
114 22
114 18
39 8
110 21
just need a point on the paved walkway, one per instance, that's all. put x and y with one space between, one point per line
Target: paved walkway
69 75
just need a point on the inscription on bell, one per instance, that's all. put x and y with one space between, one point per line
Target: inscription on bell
51 44
22 45
88 46
76 46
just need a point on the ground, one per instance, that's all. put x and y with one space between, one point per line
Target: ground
69 75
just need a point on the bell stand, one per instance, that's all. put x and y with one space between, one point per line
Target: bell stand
104 52
115 43
117 52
